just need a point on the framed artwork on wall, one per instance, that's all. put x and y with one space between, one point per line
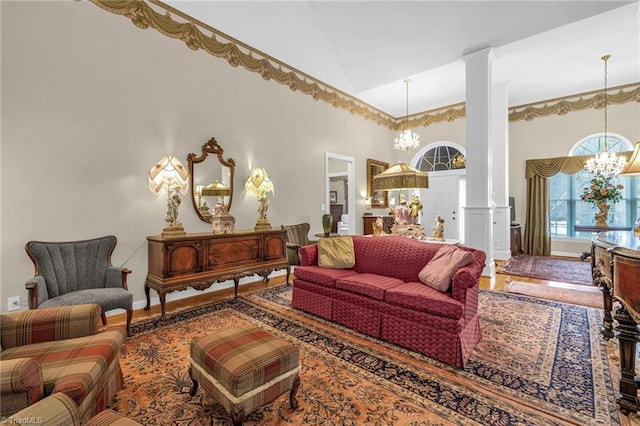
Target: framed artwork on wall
379 199
333 197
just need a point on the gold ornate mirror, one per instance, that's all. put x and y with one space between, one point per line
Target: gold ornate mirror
210 183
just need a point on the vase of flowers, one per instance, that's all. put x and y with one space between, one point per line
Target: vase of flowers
602 192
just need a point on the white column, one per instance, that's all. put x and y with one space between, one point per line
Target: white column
500 172
479 209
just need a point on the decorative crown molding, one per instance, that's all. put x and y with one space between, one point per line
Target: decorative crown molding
236 53
561 106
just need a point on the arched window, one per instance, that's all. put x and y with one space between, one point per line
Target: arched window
441 157
566 209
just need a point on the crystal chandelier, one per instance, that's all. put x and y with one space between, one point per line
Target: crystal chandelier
407 139
606 163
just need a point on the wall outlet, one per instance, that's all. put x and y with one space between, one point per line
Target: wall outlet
13 303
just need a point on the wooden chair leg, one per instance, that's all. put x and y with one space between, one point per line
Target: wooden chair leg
129 317
194 386
294 390
237 415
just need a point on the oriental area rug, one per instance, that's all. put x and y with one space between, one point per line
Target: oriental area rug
538 363
578 295
548 268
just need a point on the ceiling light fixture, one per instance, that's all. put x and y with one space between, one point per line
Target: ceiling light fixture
606 163
407 139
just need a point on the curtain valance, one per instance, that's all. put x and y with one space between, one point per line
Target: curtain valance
547 167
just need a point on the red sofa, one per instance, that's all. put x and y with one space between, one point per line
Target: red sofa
382 296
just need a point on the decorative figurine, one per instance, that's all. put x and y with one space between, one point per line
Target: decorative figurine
377 227
438 229
416 208
402 212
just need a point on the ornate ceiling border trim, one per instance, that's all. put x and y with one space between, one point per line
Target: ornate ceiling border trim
561 106
237 53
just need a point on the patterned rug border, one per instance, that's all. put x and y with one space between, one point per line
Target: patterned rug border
524 258
468 405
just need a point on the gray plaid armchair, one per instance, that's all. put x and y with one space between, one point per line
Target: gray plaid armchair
78 272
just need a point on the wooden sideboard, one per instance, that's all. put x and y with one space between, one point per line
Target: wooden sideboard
615 261
200 260
367 221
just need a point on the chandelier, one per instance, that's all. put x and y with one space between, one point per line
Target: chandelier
407 139
606 163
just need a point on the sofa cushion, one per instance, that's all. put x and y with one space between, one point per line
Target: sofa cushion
370 285
392 256
415 295
324 276
107 298
438 271
336 252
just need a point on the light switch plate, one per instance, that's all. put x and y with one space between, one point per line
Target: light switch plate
13 303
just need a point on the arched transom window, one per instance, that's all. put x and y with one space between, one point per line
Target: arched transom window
442 157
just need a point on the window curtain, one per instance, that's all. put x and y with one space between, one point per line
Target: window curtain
537 237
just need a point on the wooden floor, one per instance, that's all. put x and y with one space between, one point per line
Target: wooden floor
496 283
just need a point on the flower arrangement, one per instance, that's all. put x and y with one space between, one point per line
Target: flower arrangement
602 189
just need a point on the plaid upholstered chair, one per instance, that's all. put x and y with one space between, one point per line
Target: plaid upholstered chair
61 349
60 410
297 236
78 272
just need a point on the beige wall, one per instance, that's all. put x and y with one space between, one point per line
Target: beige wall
90 102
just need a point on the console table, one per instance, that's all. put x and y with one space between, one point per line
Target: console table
200 260
615 261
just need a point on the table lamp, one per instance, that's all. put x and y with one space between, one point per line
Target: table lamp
169 173
260 184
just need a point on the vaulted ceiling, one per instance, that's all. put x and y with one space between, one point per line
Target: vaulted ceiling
543 49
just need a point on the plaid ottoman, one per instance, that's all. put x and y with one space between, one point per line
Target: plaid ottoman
243 368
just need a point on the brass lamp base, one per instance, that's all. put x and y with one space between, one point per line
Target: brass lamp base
263 225
175 230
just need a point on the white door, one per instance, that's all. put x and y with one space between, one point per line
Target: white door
442 198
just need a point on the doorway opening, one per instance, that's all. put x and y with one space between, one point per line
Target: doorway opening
340 189
445 162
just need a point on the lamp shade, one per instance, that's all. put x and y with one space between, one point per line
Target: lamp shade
400 176
259 182
168 172
216 189
633 166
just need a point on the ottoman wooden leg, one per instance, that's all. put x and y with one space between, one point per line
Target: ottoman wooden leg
237 415
294 390
194 386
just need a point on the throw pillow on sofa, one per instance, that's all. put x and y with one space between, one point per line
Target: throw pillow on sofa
336 252
438 271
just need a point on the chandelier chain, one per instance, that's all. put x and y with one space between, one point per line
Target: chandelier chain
407 139
606 143
605 164
406 84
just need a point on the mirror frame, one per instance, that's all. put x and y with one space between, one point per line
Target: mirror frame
210 147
